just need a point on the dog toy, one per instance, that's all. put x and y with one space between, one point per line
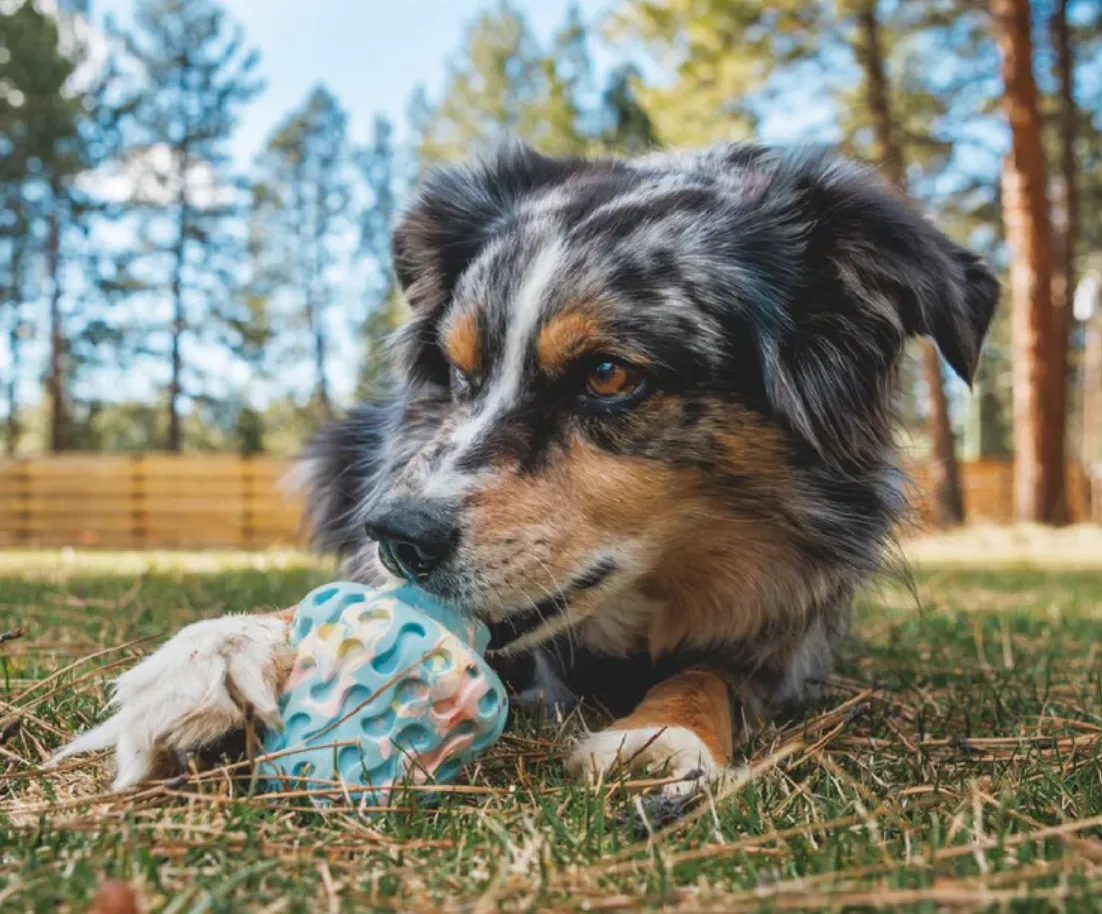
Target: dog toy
388 687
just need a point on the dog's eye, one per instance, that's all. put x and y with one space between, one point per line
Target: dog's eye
462 385
610 379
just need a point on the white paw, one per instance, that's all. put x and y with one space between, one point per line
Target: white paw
674 752
191 693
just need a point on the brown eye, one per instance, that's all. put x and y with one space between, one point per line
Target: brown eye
609 379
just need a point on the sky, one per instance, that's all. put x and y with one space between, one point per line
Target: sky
371 53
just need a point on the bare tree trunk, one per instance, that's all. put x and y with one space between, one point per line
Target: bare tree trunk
321 386
1038 437
55 381
1090 446
13 428
174 439
948 506
175 387
1065 222
1091 450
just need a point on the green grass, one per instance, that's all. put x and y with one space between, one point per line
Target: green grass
953 763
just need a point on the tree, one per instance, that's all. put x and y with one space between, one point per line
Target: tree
1038 435
386 309
302 202
59 124
625 125
948 503
14 243
502 85
197 75
1065 220
725 57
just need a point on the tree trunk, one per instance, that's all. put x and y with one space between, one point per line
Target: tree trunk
1064 226
321 387
55 381
1092 391
948 505
1038 435
13 429
318 315
174 440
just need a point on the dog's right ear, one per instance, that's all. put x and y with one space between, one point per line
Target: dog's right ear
457 210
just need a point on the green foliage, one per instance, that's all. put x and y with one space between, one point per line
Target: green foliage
503 85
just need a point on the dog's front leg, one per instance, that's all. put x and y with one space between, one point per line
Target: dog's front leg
199 687
683 727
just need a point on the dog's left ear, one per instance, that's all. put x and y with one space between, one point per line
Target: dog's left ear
874 272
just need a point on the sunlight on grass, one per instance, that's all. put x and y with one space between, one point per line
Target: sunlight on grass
951 763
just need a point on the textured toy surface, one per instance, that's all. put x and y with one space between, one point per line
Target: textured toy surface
388 687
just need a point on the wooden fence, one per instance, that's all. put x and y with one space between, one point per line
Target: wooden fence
196 501
144 502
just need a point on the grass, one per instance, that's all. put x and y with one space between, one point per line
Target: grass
952 764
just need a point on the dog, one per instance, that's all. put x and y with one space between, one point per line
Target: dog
641 425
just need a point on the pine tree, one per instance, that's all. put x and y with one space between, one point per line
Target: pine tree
625 126
503 85
948 502
58 125
1039 492
302 202
197 75
1065 218
723 56
386 309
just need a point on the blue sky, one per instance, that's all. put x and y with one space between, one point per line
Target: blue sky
371 53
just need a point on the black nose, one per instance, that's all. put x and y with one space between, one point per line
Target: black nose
414 537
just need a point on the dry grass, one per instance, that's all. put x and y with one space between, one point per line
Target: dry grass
952 764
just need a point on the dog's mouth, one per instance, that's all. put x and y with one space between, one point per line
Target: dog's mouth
523 623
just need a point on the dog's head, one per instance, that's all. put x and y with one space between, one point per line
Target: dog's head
663 382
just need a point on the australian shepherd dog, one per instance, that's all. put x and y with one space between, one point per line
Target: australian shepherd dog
641 424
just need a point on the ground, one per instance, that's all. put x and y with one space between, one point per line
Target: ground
952 763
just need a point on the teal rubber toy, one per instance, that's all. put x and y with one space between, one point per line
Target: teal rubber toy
388 688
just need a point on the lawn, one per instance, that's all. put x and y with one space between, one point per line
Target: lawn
952 763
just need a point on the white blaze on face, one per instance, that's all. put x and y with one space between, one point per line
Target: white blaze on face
445 480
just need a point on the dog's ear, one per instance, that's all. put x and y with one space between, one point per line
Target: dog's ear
873 273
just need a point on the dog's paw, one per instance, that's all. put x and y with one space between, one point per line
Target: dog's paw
191 694
674 752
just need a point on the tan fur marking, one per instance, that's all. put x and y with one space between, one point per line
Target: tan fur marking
709 573
697 700
566 337
463 343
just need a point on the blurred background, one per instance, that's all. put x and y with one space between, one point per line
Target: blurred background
196 199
